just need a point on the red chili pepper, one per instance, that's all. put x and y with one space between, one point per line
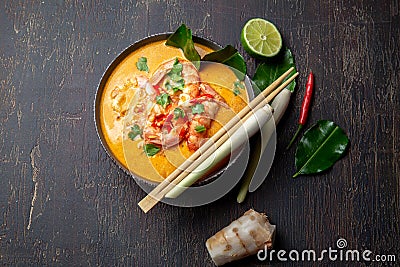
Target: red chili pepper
207 95
157 89
159 120
305 106
182 132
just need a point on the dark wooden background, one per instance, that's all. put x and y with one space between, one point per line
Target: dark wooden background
64 202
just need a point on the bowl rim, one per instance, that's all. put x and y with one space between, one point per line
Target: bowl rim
101 86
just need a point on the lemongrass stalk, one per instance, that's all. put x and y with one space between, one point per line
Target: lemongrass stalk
279 104
237 139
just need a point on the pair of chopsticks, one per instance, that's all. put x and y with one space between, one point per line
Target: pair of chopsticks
215 141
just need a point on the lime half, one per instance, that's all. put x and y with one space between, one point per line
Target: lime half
261 38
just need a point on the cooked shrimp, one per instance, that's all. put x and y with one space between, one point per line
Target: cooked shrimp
161 128
189 72
209 102
207 90
166 130
174 129
178 81
200 123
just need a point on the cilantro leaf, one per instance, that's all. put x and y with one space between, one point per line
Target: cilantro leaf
168 85
179 86
177 67
237 86
142 64
177 82
135 131
236 91
163 100
200 128
175 77
151 149
198 109
178 113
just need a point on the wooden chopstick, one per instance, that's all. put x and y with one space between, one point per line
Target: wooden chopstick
222 131
159 192
223 139
189 165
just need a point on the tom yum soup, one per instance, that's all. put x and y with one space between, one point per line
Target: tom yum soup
157 108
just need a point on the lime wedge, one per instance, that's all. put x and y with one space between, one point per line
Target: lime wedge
261 38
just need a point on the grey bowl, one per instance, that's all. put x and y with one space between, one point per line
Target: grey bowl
111 67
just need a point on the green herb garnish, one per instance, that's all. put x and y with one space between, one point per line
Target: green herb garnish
175 77
142 64
200 128
237 86
198 109
163 100
178 113
179 86
168 86
182 38
177 82
177 68
135 131
151 149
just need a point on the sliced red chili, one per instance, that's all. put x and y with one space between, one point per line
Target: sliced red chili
182 133
157 89
159 120
207 95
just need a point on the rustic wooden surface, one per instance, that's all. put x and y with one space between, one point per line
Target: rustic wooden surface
64 202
